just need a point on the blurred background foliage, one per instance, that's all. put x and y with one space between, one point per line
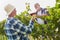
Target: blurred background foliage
50 31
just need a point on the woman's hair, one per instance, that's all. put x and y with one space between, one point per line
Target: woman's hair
36 4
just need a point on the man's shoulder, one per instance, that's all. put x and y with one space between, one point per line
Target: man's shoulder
11 20
43 8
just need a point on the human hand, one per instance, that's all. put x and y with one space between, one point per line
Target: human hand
33 18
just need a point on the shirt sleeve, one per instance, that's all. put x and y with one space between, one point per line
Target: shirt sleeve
30 26
25 29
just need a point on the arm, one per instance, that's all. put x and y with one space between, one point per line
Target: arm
42 15
30 26
25 29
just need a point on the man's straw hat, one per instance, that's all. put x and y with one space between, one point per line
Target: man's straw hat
9 8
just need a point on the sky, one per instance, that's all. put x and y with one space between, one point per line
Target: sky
20 5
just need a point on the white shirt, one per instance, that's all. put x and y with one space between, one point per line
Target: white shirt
40 21
39 13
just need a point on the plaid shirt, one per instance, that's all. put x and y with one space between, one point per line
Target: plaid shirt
16 30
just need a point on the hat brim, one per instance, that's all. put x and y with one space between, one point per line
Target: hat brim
10 11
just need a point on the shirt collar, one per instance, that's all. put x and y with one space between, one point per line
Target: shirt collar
9 18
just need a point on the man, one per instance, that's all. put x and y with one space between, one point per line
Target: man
41 12
14 28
